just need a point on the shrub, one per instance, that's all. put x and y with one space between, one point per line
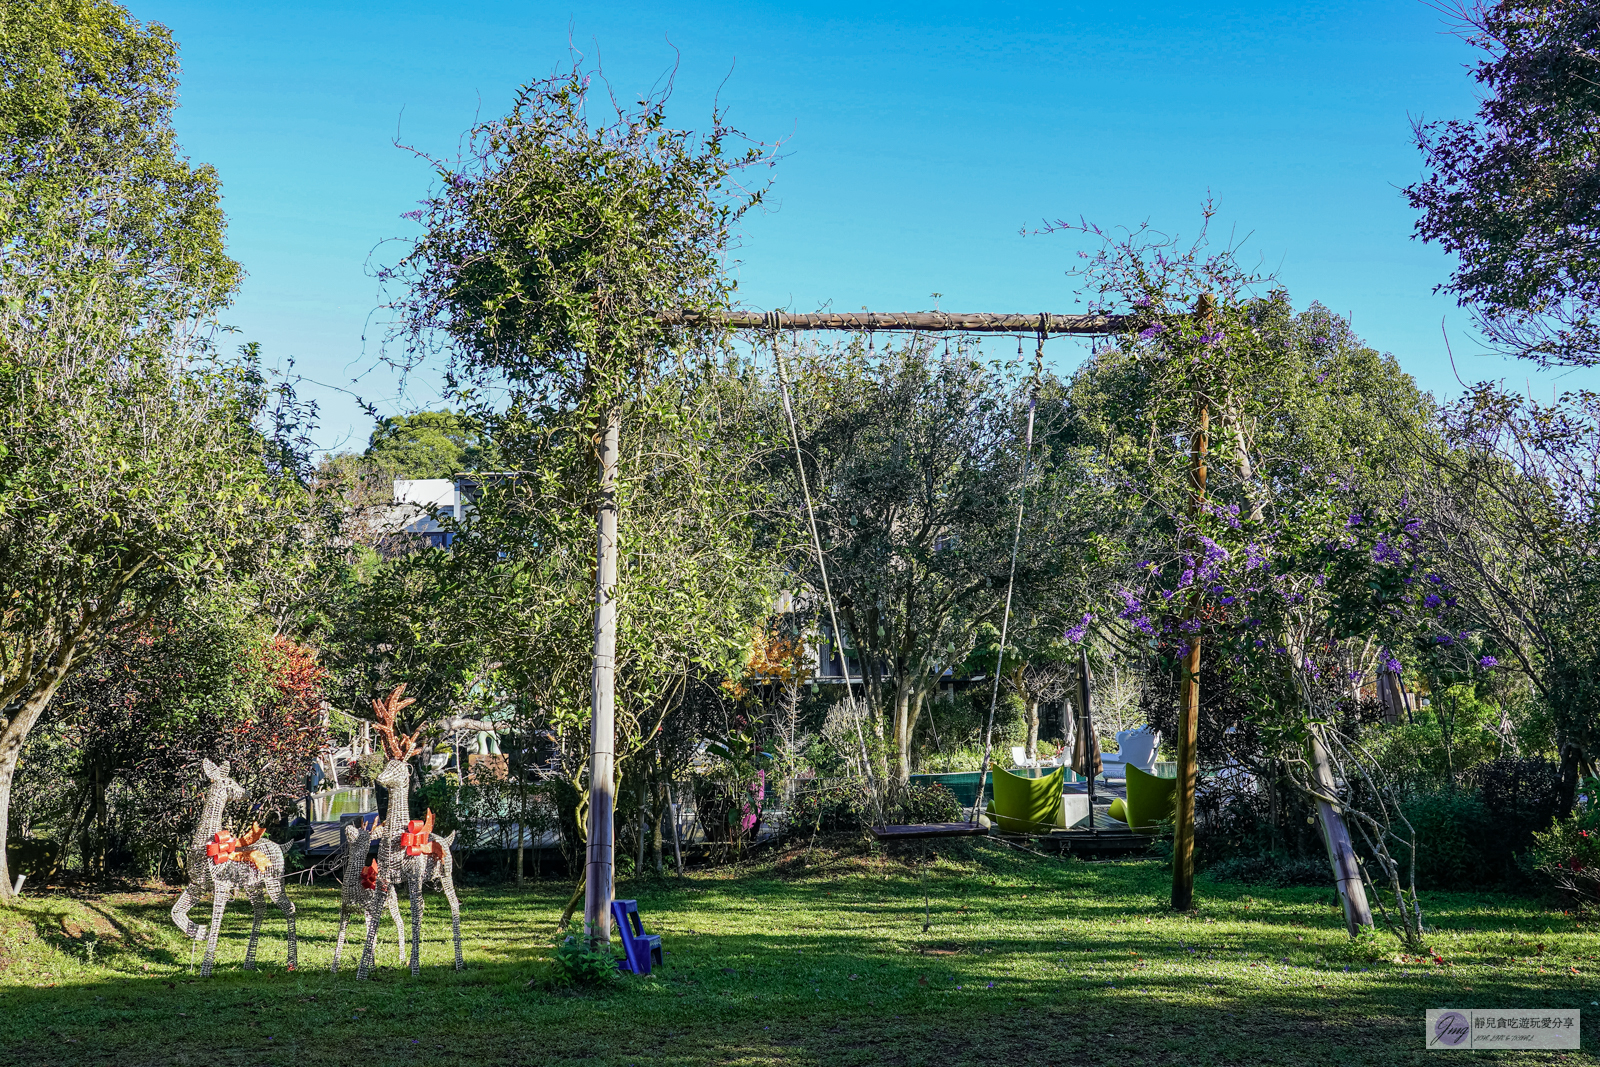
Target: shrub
1368 946
583 964
831 807
848 806
1568 854
1454 832
927 802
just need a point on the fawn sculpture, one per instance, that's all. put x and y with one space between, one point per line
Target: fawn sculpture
408 850
222 863
360 884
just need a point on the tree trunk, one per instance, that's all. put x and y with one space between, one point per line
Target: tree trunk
1189 702
600 865
1336 836
658 798
902 733
11 741
1033 728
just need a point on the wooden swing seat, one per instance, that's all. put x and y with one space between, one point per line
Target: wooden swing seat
920 831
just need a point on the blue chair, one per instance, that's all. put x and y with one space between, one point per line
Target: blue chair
639 949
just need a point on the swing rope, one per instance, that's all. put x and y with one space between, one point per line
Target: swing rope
1016 541
822 567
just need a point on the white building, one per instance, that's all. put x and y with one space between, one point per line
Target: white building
419 504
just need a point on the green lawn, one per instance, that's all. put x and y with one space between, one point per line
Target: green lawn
1028 961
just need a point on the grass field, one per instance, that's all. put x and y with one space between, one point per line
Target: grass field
806 959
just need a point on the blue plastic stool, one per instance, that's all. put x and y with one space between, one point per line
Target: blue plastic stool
639 949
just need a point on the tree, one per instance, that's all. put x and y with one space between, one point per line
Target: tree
430 444
1300 408
130 472
1507 509
694 578
917 460
137 716
1515 193
548 257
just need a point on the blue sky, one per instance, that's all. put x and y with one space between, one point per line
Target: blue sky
920 140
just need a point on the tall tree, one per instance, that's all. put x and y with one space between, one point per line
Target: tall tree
430 444
548 256
1515 192
129 468
915 460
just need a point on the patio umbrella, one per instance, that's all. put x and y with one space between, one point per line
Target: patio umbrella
1085 745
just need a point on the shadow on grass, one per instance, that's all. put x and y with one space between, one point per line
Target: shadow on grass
1040 963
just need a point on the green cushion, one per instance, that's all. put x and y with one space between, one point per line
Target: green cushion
1150 799
1118 810
1026 805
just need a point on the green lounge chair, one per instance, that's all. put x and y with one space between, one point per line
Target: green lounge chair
1027 805
1150 800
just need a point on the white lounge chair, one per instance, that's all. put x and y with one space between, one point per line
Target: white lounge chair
1135 748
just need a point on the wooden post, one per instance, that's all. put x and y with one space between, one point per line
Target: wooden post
1336 836
600 865
1189 695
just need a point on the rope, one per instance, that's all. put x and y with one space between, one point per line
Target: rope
822 563
1016 541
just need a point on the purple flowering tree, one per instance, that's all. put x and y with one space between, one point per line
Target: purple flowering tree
1509 513
1240 425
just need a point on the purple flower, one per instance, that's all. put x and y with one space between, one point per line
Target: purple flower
1075 633
1142 302
1322 377
1383 552
1488 661
1150 331
1431 600
1211 338
1355 520
1391 665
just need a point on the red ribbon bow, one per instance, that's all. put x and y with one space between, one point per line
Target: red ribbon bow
221 847
418 838
369 876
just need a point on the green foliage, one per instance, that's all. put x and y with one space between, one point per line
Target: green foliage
848 806
918 456
1456 838
1368 946
1568 856
549 251
111 769
430 444
94 195
583 964
1511 191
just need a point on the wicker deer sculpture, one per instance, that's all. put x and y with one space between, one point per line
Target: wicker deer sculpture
360 884
222 863
408 850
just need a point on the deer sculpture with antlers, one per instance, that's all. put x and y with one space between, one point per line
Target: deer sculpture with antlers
222 863
408 849
361 884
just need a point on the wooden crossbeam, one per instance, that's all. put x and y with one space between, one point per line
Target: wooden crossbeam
921 321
